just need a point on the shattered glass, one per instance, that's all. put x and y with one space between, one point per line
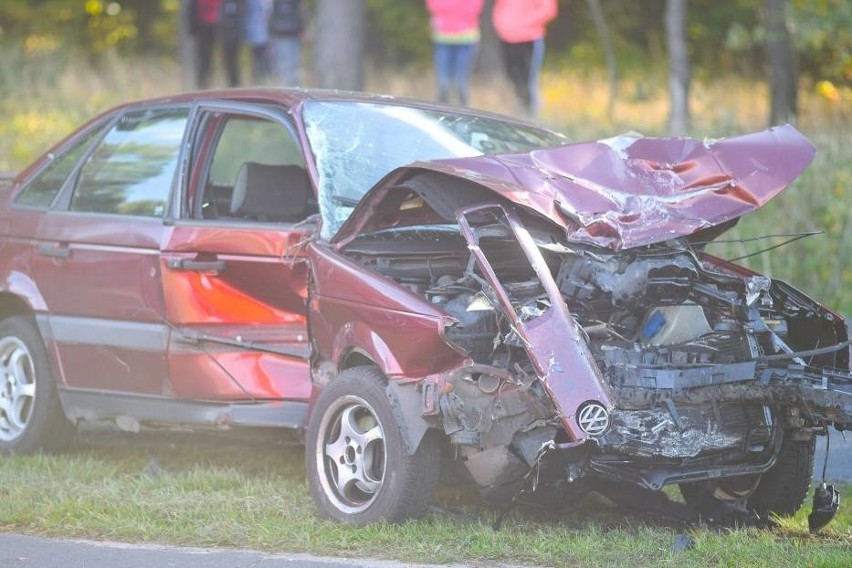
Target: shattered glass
356 144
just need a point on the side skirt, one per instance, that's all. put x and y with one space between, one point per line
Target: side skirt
129 411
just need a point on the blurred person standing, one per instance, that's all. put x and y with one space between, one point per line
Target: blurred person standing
455 37
521 26
230 28
203 19
257 36
287 25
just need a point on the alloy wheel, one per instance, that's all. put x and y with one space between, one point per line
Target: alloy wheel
351 456
17 388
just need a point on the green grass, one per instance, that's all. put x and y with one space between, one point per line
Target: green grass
821 200
214 492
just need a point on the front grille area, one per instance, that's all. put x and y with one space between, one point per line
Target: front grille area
688 431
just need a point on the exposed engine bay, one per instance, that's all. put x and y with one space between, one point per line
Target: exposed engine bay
709 367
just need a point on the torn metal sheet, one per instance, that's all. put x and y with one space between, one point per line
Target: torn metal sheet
630 191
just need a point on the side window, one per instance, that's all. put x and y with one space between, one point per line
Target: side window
42 189
245 139
132 170
256 173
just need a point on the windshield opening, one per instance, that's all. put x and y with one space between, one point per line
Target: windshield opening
356 144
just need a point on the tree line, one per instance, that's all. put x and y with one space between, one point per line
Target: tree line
780 41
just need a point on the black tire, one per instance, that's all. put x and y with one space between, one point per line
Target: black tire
31 417
782 489
386 484
692 493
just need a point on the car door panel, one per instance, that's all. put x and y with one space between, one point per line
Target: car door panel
239 330
96 256
235 284
100 279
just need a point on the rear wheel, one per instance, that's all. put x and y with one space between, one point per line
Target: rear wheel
31 417
358 468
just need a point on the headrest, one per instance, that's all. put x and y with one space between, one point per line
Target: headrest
270 193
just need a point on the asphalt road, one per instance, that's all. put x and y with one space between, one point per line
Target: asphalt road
18 551
840 458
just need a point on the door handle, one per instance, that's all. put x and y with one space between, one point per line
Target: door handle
53 250
196 265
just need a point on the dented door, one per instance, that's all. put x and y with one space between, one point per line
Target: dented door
234 267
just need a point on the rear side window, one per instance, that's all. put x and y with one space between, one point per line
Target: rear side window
44 187
131 171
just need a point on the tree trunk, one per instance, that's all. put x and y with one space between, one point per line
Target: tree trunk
147 12
678 66
186 47
782 65
609 53
489 63
338 46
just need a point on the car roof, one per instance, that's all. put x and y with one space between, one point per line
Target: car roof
278 95
289 97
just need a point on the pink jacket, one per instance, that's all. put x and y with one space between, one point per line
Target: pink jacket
518 21
453 18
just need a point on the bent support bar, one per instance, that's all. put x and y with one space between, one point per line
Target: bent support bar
826 394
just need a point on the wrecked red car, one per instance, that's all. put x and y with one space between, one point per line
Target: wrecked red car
410 284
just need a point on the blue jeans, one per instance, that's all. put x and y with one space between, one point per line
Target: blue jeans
287 59
535 70
453 64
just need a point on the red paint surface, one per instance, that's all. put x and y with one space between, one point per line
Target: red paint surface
356 309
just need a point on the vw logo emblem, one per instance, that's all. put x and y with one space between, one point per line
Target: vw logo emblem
593 418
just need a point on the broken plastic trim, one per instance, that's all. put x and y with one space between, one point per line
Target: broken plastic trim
826 504
658 477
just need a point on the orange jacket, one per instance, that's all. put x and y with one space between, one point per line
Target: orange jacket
517 21
454 17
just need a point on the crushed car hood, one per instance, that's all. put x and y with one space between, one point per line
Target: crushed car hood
626 191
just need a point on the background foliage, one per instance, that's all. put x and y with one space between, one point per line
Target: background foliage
725 36
64 61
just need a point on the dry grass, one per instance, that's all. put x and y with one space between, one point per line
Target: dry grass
44 98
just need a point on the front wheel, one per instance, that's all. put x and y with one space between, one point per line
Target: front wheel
358 467
31 417
780 491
